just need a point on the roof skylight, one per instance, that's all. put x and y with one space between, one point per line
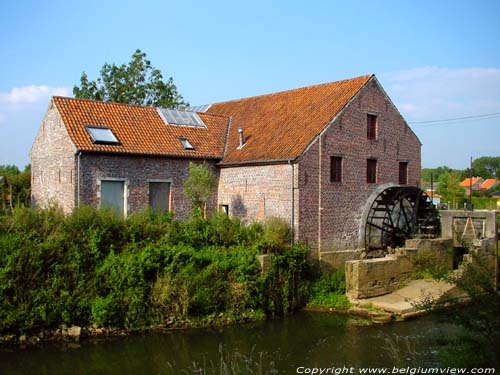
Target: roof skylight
102 135
177 117
186 144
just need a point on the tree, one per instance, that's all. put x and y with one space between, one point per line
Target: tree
199 185
487 167
449 186
136 83
435 172
14 186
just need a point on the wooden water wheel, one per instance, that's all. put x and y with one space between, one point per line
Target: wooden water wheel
397 214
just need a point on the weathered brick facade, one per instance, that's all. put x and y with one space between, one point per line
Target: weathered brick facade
327 215
297 186
258 191
59 173
53 164
137 172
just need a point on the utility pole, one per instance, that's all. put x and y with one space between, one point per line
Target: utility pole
470 185
432 190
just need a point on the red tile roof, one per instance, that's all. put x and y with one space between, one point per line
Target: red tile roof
140 130
489 183
475 180
281 125
276 126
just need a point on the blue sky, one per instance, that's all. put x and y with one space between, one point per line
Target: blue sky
435 59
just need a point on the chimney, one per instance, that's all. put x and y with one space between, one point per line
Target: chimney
242 139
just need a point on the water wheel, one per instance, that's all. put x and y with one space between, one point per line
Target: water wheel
399 213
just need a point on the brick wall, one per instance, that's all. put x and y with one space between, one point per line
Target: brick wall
257 192
136 171
53 164
334 209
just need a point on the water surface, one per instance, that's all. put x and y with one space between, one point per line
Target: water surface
305 339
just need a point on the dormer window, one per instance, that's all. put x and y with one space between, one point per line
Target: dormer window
186 144
102 135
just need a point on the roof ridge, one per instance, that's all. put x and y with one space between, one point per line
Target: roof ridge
367 76
128 105
103 102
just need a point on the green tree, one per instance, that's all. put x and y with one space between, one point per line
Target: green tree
15 186
136 83
199 185
487 167
449 186
434 172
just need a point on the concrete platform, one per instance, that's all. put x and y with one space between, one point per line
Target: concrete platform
406 300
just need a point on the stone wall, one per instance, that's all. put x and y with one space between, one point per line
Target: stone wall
136 171
53 167
330 212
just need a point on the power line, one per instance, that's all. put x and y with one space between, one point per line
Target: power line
488 115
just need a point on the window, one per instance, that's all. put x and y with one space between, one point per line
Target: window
403 172
113 195
102 135
224 208
371 126
371 171
159 196
186 144
336 169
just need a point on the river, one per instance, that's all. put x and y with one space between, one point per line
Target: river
306 339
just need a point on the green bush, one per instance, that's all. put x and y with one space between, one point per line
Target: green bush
329 291
93 267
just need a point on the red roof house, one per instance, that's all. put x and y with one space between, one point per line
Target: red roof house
312 156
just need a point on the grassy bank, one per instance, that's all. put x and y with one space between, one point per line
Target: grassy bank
93 268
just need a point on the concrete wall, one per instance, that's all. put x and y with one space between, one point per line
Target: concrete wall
330 212
374 277
137 171
53 168
464 225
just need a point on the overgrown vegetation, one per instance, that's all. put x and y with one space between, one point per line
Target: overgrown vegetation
92 267
329 291
479 320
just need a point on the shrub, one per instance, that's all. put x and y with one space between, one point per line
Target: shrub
329 291
93 267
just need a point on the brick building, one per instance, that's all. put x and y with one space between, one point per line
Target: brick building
312 156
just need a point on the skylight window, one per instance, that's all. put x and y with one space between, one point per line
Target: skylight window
186 144
102 135
183 118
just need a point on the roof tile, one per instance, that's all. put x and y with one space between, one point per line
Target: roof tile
281 125
140 130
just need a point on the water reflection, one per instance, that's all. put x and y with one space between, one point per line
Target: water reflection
305 339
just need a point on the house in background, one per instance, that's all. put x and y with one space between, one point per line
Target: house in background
489 184
311 156
473 183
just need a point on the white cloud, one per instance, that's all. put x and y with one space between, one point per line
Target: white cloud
431 93
19 96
